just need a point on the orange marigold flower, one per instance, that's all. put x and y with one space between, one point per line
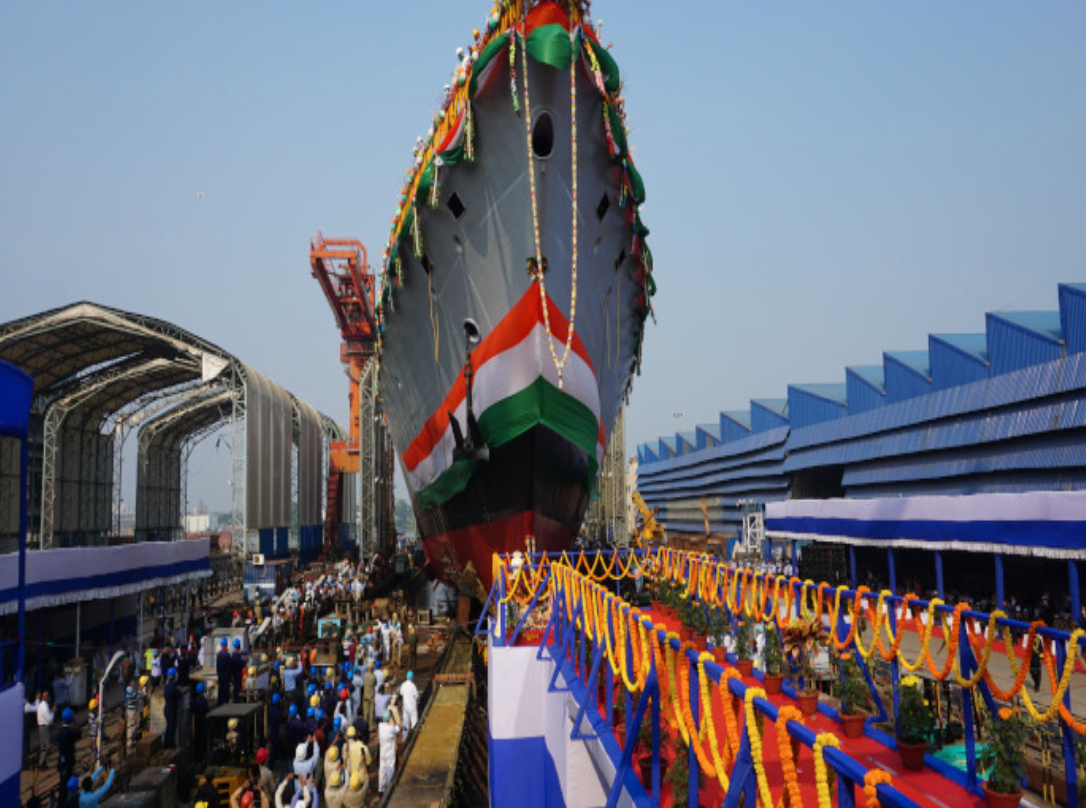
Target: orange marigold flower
1005 713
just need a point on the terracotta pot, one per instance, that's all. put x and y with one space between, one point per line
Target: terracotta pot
646 770
745 666
853 725
997 800
773 684
912 755
808 703
721 656
700 643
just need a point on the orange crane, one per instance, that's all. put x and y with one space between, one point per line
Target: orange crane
343 272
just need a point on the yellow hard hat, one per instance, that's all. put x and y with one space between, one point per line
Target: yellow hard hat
263 657
356 782
351 732
93 704
314 701
333 753
143 681
252 671
232 723
336 780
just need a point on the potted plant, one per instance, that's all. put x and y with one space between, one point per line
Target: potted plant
854 695
686 614
644 741
801 640
718 633
699 623
773 656
1002 759
744 642
913 724
678 774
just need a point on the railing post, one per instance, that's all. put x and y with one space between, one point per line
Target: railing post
692 755
1000 594
1069 766
967 706
852 566
846 792
939 574
1074 593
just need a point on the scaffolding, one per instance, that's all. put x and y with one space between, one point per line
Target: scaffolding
607 520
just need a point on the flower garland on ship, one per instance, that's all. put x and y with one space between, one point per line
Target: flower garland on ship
558 34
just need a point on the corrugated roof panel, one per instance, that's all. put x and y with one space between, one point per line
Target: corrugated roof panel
686 442
708 435
1073 316
768 413
908 375
864 388
668 448
646 455
734 425
1018 340
814 403
957 359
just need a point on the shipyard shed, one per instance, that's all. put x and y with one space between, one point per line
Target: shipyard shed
1003 411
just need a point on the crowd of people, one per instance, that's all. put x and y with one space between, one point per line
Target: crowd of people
336 713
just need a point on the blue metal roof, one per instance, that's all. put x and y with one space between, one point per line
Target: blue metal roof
1019 340
908 374
957 359
1073 316
1003 410
708 435
865 387
768 413
813 403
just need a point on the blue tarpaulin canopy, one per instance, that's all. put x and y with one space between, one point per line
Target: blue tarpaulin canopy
16 388
1050 524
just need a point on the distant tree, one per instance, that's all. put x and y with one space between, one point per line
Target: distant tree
405 517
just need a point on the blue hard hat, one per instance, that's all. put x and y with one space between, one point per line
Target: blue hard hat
338 722
327 684
310 713
292 710
200 688
171 672
311 689
346 667
222 642
410 674
275 666
319 714
377 664
67 715
237 643
73 784
275 698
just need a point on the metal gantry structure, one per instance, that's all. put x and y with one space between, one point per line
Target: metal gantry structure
102 375
606 519
343 272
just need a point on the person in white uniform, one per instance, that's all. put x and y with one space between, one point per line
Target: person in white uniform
388 732
410 695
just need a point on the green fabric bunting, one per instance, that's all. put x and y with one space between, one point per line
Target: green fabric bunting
611 79
637 185
550 45
452 156
493 48
618 131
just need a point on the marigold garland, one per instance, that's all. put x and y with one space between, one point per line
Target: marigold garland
872 780
788 763
718 766
754 738
822 777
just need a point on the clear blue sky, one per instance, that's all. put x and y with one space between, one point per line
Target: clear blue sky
825 181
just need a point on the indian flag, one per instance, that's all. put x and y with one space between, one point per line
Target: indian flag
514 389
